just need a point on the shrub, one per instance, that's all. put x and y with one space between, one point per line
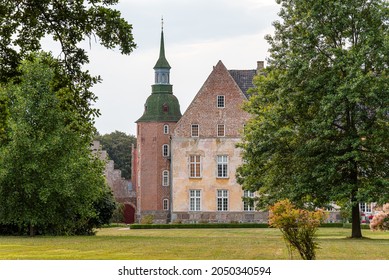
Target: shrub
380 220
147 219
298 227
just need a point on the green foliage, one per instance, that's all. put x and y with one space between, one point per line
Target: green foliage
49 181
118 146
147 219
24 24
319 126
298 227
118 214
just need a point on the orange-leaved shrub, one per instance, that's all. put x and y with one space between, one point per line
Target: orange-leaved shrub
298 227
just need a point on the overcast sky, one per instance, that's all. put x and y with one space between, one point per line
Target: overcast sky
198 33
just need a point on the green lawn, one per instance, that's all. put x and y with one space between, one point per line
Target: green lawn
191 244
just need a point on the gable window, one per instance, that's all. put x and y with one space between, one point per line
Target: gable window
195 130
220 130
220 101
166 204
222 166
195 166
165 178
247 204
222 200
165 150
194 200
166 129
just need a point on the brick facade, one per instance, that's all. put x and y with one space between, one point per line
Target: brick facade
207 114
151 163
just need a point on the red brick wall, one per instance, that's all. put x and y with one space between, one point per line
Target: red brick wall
203 109
150 164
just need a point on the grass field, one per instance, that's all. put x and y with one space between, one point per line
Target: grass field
191 244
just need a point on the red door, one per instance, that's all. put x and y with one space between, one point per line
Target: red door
129 214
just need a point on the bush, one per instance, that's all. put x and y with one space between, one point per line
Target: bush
147 220
298 227
380 220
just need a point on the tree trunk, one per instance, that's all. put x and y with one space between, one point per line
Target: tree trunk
355 218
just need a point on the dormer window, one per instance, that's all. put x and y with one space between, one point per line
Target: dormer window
220 101
165 108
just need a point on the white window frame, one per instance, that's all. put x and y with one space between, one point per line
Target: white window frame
218 130
246 205
221 101
195 165
222 166
365 207
192 126
165 204
166 129
194 200
165 150
222 200
165 178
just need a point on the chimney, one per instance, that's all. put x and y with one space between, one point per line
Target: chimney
260 66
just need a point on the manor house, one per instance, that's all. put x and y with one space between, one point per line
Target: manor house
184 165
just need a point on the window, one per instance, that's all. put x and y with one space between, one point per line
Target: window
165 108
195 166
248 205
222 200
220 101
166 129
220 130
365 207
195 130
165 178
194 200
165 150
222 166
166 204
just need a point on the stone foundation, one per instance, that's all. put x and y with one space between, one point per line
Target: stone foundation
220 217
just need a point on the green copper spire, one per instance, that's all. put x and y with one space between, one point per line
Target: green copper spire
162 62
161 105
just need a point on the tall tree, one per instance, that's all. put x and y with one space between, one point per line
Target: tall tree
118 146
49 182
24 23
319 131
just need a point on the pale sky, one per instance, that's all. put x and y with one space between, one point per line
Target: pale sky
197 33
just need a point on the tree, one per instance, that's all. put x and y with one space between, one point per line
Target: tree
319 125
24 23
118 146
49 181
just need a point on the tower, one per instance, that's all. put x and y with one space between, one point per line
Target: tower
161 113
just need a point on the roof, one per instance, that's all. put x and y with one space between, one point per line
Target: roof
244 79
162 61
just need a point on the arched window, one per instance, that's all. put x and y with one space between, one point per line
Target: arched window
165 150
165 178
166 129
